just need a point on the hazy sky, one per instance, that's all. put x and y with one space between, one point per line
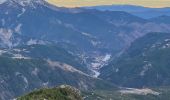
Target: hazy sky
75 3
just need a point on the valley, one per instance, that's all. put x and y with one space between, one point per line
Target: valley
93 50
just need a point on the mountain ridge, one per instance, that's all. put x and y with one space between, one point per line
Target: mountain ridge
143 64
144 12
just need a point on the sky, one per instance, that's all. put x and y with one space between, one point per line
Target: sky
78 3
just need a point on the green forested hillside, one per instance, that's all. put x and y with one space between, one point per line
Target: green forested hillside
59 93
145 63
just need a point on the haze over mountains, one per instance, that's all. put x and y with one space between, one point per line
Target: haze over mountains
42 45
144 12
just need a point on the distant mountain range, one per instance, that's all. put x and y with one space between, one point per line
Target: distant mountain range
140 11
161 19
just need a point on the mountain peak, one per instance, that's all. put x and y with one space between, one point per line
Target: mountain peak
24 2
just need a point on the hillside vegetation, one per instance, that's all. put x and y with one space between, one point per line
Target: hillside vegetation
59 93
